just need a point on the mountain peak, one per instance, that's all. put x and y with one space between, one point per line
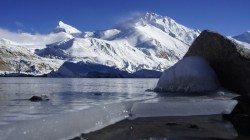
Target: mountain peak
151 16
61 23
244 37
63 27
152 21
149 19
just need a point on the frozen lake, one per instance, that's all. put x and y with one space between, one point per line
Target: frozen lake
66 95
81 105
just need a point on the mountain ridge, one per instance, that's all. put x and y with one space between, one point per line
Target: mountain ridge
148 42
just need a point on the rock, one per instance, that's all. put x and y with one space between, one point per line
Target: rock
39 98
240 116
190 75
193 126
243 106
4 66
35 98
232 69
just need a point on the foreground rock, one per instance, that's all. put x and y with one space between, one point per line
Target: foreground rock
232 69
240 116
39 98
190 75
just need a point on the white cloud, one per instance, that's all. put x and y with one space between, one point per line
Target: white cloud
32 39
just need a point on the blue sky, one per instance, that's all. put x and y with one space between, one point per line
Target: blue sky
229 17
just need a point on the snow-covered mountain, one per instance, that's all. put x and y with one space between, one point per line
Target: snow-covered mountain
146 42
149 41
244 37
243 43
62 27
20 60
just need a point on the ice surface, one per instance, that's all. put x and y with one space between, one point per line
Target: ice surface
82 105
182 108
66 126
192 74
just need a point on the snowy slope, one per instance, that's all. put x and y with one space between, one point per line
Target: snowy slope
18 59
244 37
149 41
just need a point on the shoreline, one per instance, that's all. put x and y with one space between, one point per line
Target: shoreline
188 127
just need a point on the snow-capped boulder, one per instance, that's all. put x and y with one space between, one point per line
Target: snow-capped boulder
227 60
191 74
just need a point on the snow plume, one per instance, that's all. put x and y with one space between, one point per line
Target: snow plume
129 16
33 39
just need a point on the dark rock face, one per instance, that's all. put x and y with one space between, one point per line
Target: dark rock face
35 98
232 69
240 116
39 98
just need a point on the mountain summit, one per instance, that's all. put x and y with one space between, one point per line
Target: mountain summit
163 23
62 27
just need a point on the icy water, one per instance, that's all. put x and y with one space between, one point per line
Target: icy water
66 95
82 105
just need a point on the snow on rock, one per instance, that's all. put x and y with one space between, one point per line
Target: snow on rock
191 74
242 47
227 58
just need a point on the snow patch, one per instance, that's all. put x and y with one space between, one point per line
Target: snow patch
191 74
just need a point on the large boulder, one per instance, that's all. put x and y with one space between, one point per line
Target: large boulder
226 58
190 75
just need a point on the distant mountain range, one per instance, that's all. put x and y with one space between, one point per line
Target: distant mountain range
144 45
